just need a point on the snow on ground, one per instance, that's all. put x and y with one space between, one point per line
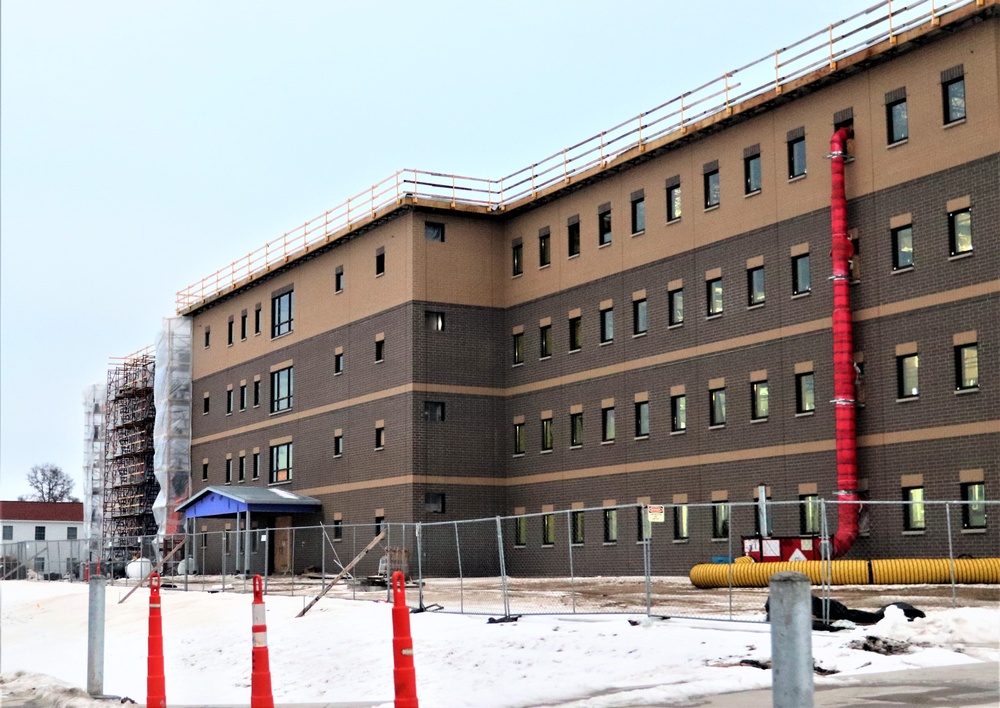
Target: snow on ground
341 651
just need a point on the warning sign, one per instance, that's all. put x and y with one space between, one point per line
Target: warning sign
797 555
657 513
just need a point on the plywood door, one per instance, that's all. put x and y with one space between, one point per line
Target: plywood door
282 544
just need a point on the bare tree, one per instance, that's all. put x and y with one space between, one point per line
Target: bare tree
50 483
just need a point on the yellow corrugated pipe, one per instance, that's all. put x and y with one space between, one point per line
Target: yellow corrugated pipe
902 571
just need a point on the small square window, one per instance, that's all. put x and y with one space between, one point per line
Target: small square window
713 291
545 341
518 438
379 350
902 248
676 298
640 322
611 526
338 363
518 348
717 406
604 228
751 174
517 258
960 232
674 202
953 96
796 157
967 367
712 189
642 419
759 400
805 393
607 424
435 321
897 124
379 437
544 249
434 411
575 334
576 525
434 502
380 264
809 515
607 325
573 238
907 376
801 280
755 286
681 530
576 429
434 231
548 529
914 518
678 413
720 519
546 434
974 508
638 215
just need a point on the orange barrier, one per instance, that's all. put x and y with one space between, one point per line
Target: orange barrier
404 675
156 691
260 675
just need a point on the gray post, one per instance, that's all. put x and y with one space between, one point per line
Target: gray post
461 579
791 641
647 563
951 553
569 545
503 569
95 637
762 514
418 530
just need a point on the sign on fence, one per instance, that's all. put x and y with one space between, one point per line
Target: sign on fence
657 513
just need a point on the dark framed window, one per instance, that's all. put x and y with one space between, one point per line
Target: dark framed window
796 157
713 296
518 348
638 215
607 325
338 530
521 531
546 434
545 341
256 393
379 350
549 530
801 280
517 258
338 280
907 376
607 424
809 514
902 247
338 363
281 314
434 411
953 100
230 327
379 437
256 465
206 404
576 429
642 419
379 520
256 319
674 202
573 236
379 263
71 534
204 471
712 189
967 367
755 286
575 334
434 231
805 393
8 532
960 232
544 248
577 526
914 516
640 322
676 304
229 470
752 178
759 400
434 321
604 226
208 338
717 406
642 525
681 528
243 397
678 413
243 325
434 502
611 526
338 445
720 519
39 533
974 509
241 469
282 389
229 402
896 121
518 438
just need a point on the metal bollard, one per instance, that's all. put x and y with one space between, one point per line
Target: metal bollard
95 637
791 641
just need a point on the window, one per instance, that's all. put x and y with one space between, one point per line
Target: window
434 231
379 262
768 529
611 526
960 232
712 192
544 248
256 393
751 172
206 404
204 471
604 225
967 367
907 370
39 564
642 527
896 124
796 157
576 429
678 413
517 258
243 325
379 350
720 519
256 465
681 532
338 363
640 323
953 96
518 348
607 424
974 510
243 397
902 248
338 280
281 314
518 438
913 509
676 298
379 437
282 384
229 401
521 531
805 393
758 400
229 470
573 236
204 540
39 533
379 520
241 470
755 286
546 434
338 530
638 213
607 325
230 327
801 282
434 321
434 502
674 201
642 419
717 406
8 533
545 341
713 289
809 511
208 337
338 444
256 319
434 411
576 524
575 334
548 530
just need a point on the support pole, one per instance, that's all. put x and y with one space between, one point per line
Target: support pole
95 637
791 641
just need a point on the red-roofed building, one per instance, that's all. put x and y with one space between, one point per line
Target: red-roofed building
43 536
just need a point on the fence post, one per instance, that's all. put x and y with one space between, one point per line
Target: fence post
95 637
569 544
791 641
418 530
729 545
647 559
322 558
461 580
503 569
951 553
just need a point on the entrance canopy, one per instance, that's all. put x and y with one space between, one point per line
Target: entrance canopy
226 501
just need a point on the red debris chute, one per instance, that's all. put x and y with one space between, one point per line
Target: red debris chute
844 373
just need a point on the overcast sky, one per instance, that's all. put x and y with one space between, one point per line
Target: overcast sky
145 145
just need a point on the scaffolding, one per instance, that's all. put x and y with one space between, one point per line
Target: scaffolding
130 486
94 398
172 430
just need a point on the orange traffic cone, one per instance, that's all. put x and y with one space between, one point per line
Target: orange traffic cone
404 675
260 676
156 691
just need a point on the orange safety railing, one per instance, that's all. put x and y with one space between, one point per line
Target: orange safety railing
823 49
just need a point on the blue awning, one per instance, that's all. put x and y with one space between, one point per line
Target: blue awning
227 501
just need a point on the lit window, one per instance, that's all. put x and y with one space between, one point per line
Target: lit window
676 298
638 214
805 393
521 531
575 334
796 157
604 225
953 95
967 367
717 406
607 325
758 400
573 236
548 529
576 525
434 411
517 258
897 125
518 438
809 515
518 348
974 509
642 419
913 509
576 429
907 375
720 520
801 281
282 387
434 231
379 437
902 248
607 424
546 434
678 413
751 171
611 526
713 294
681 532
544 248
379 262
712 190
674 200
960 232
545 341
281 314
755 286
640 323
